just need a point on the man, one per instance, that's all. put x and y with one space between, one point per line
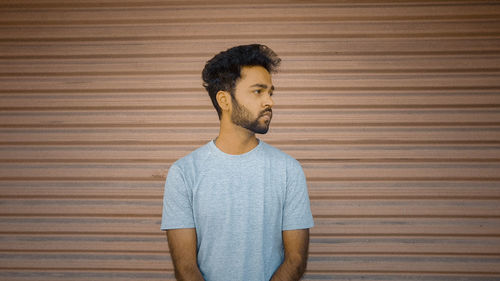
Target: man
237 208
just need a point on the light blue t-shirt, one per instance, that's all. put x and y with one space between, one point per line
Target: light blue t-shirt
239 205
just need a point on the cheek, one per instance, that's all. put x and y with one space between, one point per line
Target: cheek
250 106
255 111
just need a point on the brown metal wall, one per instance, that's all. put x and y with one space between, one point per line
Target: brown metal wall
392 107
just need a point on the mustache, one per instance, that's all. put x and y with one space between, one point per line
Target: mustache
266 111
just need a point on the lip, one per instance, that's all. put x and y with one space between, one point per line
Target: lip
268 115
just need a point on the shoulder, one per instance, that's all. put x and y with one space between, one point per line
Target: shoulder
278 154
194 159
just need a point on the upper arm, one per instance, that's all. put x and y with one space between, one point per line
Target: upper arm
297 209
182 244
177 201
296 244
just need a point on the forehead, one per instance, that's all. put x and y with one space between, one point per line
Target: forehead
251 75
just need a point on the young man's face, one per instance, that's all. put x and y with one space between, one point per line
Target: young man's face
252 102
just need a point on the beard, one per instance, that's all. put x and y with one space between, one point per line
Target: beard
242 117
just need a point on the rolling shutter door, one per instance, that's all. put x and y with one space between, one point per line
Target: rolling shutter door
392 108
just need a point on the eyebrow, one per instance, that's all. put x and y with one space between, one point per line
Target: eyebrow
262 86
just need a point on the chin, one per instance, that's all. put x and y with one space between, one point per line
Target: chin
261 131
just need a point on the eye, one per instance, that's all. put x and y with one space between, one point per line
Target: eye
258 91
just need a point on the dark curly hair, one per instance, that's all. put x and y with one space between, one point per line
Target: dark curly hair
224 69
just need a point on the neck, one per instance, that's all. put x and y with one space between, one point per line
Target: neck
233 139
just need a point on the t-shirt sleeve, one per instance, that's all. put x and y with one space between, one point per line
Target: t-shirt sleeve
177 202
297 210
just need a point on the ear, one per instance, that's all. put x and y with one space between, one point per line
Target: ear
224 100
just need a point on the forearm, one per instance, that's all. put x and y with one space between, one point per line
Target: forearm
188 273
182 244
291 269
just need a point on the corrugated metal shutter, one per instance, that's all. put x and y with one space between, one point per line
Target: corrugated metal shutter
392 107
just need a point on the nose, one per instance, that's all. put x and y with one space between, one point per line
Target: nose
268 101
